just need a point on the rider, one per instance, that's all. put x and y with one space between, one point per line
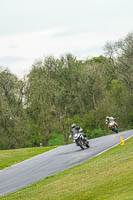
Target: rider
76 129
109 119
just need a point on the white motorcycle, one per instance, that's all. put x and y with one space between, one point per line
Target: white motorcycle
80 140
113 126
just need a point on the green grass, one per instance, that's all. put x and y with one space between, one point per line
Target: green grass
10 157
105 177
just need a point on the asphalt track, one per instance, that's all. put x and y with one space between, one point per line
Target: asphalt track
52 162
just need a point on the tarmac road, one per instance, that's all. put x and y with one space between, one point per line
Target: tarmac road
52 162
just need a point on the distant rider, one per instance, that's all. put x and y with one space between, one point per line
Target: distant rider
110 119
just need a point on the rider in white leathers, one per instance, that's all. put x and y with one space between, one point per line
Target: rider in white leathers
76 129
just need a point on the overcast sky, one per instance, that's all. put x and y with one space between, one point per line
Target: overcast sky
33 29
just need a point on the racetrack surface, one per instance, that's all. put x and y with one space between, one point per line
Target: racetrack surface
52 162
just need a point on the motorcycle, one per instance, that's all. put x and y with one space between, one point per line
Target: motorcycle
113 126
81 141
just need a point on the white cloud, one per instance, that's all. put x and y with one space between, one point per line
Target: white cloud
26 47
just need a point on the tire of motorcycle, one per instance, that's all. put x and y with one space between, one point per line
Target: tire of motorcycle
76 142
87 145
82 146
115 130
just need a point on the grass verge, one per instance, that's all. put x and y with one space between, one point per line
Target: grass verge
10 157
106 177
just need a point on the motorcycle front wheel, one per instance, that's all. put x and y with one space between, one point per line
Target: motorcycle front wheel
83 144
87 144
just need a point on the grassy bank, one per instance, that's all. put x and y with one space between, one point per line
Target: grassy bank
106 177
10 157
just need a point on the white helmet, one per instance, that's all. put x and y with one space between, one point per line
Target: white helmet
73 125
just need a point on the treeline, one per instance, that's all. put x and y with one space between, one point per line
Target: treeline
60 91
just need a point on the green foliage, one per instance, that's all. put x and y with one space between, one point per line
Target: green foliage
94 133
130 120
98 60
56 139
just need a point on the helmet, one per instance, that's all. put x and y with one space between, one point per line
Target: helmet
107 118
73 125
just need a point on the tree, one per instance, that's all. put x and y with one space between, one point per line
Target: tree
11 109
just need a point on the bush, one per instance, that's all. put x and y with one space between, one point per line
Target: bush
56 139
96 133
